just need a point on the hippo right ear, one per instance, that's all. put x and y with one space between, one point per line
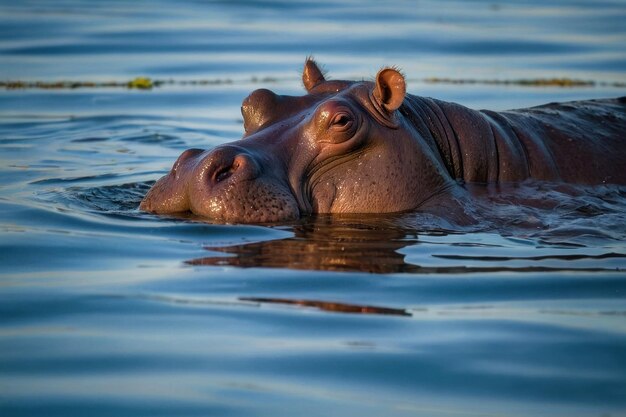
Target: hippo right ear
311 75
390 89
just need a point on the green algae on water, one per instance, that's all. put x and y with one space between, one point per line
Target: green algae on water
141 83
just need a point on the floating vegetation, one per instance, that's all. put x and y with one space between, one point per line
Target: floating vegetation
141 83
145 83
538 82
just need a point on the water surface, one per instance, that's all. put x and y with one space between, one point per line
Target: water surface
107 311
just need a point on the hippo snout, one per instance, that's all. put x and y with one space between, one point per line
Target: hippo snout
184 157
228 183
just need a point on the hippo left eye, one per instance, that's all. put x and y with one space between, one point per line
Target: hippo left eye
341 121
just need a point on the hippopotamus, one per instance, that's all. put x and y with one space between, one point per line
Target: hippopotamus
369 147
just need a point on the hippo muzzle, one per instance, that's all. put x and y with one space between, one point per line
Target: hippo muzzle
225 184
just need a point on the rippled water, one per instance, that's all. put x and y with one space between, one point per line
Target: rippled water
107 311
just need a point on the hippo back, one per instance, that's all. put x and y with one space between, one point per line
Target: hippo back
586 139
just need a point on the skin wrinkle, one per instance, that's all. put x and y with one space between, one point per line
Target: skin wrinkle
474 139
291 166
441 138
521 143
457 160
512 154
537 154
413 111
490 166
300 189
379 114
436 132
502 144
326 166
495 144
450 137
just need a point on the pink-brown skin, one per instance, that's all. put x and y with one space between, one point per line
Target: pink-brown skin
368 147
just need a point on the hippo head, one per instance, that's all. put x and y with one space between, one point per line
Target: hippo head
344 147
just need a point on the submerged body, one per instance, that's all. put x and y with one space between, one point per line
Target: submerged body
368 147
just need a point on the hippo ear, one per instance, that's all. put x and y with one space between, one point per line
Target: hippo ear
390 89
312 75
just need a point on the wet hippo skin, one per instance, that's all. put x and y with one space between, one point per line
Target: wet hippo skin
368 147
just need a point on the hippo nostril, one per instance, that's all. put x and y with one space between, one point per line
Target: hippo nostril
223 174
227 170
222 163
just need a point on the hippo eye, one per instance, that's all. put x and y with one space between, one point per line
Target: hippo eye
341 121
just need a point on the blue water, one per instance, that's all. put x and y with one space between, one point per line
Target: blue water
107 311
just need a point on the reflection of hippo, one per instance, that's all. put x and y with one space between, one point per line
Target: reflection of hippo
377 244
326 244
363 147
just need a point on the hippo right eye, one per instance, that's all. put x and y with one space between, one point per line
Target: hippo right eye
341 121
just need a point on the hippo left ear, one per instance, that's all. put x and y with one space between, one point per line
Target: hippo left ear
311 75
390 89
